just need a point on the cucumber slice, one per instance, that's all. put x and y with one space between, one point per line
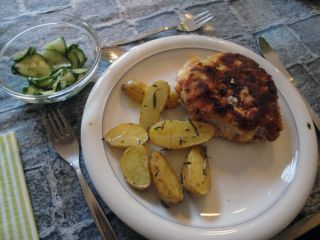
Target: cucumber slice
59 84
54 75
79 76
56 85
31 90
47 92
58 44
79 54
72 56
64 80
32 66
55 59
63 84
69 78
79 70
59 72
45 83
22 54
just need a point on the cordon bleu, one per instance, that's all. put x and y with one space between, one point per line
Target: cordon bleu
234 94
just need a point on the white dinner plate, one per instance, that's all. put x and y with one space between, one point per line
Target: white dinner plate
257 188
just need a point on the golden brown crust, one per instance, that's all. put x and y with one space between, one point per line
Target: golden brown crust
233 93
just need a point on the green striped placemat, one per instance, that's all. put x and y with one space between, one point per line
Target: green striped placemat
16 218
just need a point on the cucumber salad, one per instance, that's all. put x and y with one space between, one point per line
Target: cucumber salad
52 69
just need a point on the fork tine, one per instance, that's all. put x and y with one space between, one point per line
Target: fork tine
58 122
46 124
200 24
200 15
65 122
204 21
53 126
52 134
204 18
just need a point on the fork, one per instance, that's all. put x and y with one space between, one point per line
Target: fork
66 144
187 25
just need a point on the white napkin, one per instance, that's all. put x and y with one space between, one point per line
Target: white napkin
16 215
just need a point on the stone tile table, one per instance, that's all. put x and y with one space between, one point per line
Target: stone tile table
292 27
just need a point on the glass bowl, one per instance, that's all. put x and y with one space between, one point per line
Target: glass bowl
36 31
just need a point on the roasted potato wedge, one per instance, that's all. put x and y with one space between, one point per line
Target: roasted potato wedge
126 135
135 90
135 167
196 172
165 179
153 103
176 134
173 99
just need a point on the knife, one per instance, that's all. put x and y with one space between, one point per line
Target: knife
271 55
304 229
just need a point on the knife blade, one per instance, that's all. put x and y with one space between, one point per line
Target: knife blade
270 54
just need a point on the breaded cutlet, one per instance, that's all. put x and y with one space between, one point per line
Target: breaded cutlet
234 93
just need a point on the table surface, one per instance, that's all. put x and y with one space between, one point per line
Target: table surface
292 27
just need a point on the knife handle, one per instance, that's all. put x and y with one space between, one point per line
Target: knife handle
314 116
299 229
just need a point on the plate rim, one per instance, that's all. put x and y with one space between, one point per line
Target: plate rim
309 149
